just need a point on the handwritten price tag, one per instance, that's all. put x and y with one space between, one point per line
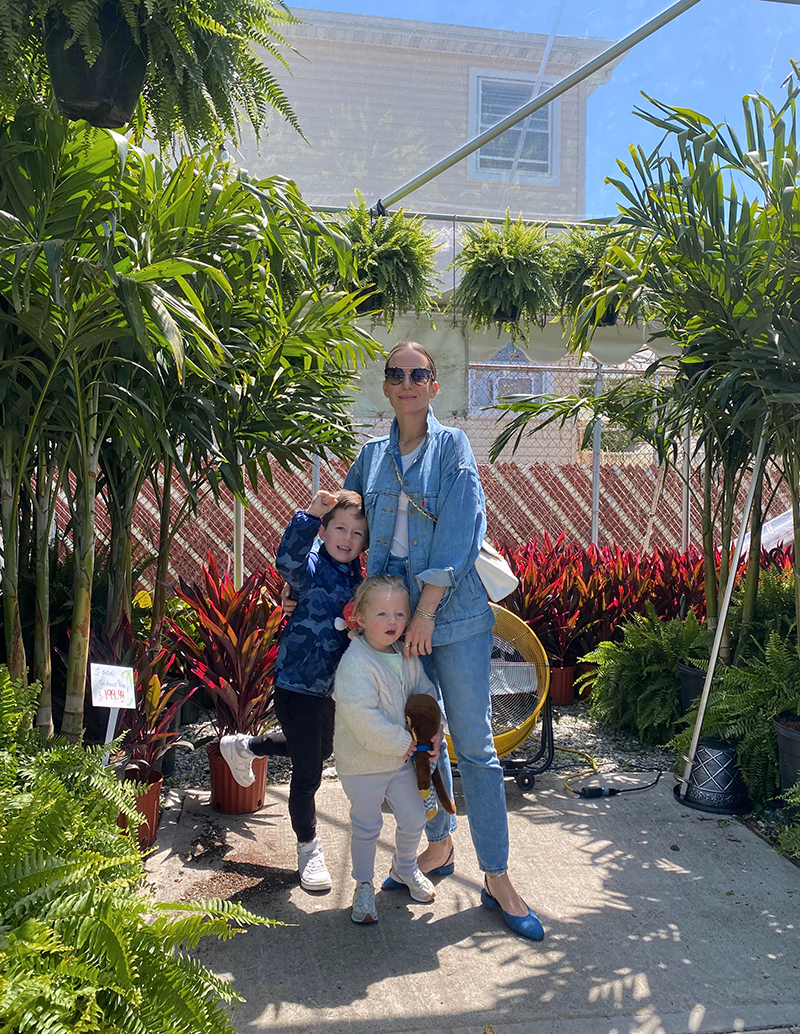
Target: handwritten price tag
112 686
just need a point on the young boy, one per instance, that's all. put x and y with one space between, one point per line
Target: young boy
323 579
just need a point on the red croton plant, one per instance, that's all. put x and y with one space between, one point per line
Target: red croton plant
233 645
573 597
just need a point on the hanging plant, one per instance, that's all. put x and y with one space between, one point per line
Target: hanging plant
576 263
394 262
505 276
194 62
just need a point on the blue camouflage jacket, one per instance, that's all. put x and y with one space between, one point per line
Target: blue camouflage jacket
446 522
311 647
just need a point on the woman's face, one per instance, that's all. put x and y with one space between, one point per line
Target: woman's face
408 398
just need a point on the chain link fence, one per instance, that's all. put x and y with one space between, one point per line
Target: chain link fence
548 485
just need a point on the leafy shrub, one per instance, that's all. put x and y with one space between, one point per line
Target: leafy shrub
83 949
774 611
636 681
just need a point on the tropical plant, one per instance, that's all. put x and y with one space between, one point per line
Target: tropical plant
233 649
203 73
143 325
718 271
636 681
149 729
505 277
84 947
394 260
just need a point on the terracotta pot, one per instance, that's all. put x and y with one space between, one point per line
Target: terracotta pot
562 685
148 804
226 794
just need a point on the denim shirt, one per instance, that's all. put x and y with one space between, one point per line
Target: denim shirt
446 522
311 645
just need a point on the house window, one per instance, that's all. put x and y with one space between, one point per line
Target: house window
489 382
528 150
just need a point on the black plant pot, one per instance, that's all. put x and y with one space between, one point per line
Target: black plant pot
508 315
787 730
690 681
105 93
715 783
609 317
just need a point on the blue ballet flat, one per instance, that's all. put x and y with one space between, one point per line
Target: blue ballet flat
526 926
446 869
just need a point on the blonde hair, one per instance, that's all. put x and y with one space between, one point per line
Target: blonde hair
378 583
417 348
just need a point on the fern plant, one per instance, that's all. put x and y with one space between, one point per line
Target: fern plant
636 680
576 258
506 277
742 704
789 839
394 260
204 73
83 949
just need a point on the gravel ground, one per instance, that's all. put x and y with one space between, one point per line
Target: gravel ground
573 729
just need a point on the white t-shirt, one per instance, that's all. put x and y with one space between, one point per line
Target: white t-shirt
399 546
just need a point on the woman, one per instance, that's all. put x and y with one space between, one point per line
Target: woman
427 519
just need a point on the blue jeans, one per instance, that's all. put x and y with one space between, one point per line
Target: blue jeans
461 673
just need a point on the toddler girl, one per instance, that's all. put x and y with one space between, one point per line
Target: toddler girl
373 745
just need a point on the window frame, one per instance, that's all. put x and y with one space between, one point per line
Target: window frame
474 170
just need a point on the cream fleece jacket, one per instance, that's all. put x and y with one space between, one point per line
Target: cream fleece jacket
370 733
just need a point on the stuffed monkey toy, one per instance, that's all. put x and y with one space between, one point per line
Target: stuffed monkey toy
423 718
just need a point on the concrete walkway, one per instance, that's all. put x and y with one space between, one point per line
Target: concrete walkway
660 920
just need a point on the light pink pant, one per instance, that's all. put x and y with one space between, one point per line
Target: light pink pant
366 794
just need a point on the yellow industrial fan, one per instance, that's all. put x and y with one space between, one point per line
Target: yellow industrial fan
518 683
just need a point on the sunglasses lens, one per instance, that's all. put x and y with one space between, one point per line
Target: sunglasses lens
396 375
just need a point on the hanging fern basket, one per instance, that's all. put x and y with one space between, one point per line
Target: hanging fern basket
104 93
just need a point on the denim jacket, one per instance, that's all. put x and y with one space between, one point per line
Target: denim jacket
446 522
311 646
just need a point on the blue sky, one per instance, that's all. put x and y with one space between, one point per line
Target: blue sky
706 59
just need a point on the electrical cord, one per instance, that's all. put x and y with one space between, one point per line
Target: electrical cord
590 792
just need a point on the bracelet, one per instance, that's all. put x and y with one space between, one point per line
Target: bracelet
425 614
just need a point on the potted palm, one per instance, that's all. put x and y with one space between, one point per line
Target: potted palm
506 276
231 652
196 65
394 261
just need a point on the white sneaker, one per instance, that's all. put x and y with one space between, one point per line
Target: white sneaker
364 910
314 873
419 887
237 753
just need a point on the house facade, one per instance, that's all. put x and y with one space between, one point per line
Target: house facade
380 100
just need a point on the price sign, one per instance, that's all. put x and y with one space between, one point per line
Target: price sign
112 686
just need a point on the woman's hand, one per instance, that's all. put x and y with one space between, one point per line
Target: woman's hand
436 745
419 633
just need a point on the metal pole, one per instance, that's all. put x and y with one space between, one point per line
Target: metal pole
686 533
238 543
597 431
578 76
723 613
314 475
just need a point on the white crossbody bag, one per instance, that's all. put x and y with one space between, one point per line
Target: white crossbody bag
492 567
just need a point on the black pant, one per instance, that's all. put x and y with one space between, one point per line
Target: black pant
307 723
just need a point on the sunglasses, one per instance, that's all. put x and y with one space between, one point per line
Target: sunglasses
396 375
